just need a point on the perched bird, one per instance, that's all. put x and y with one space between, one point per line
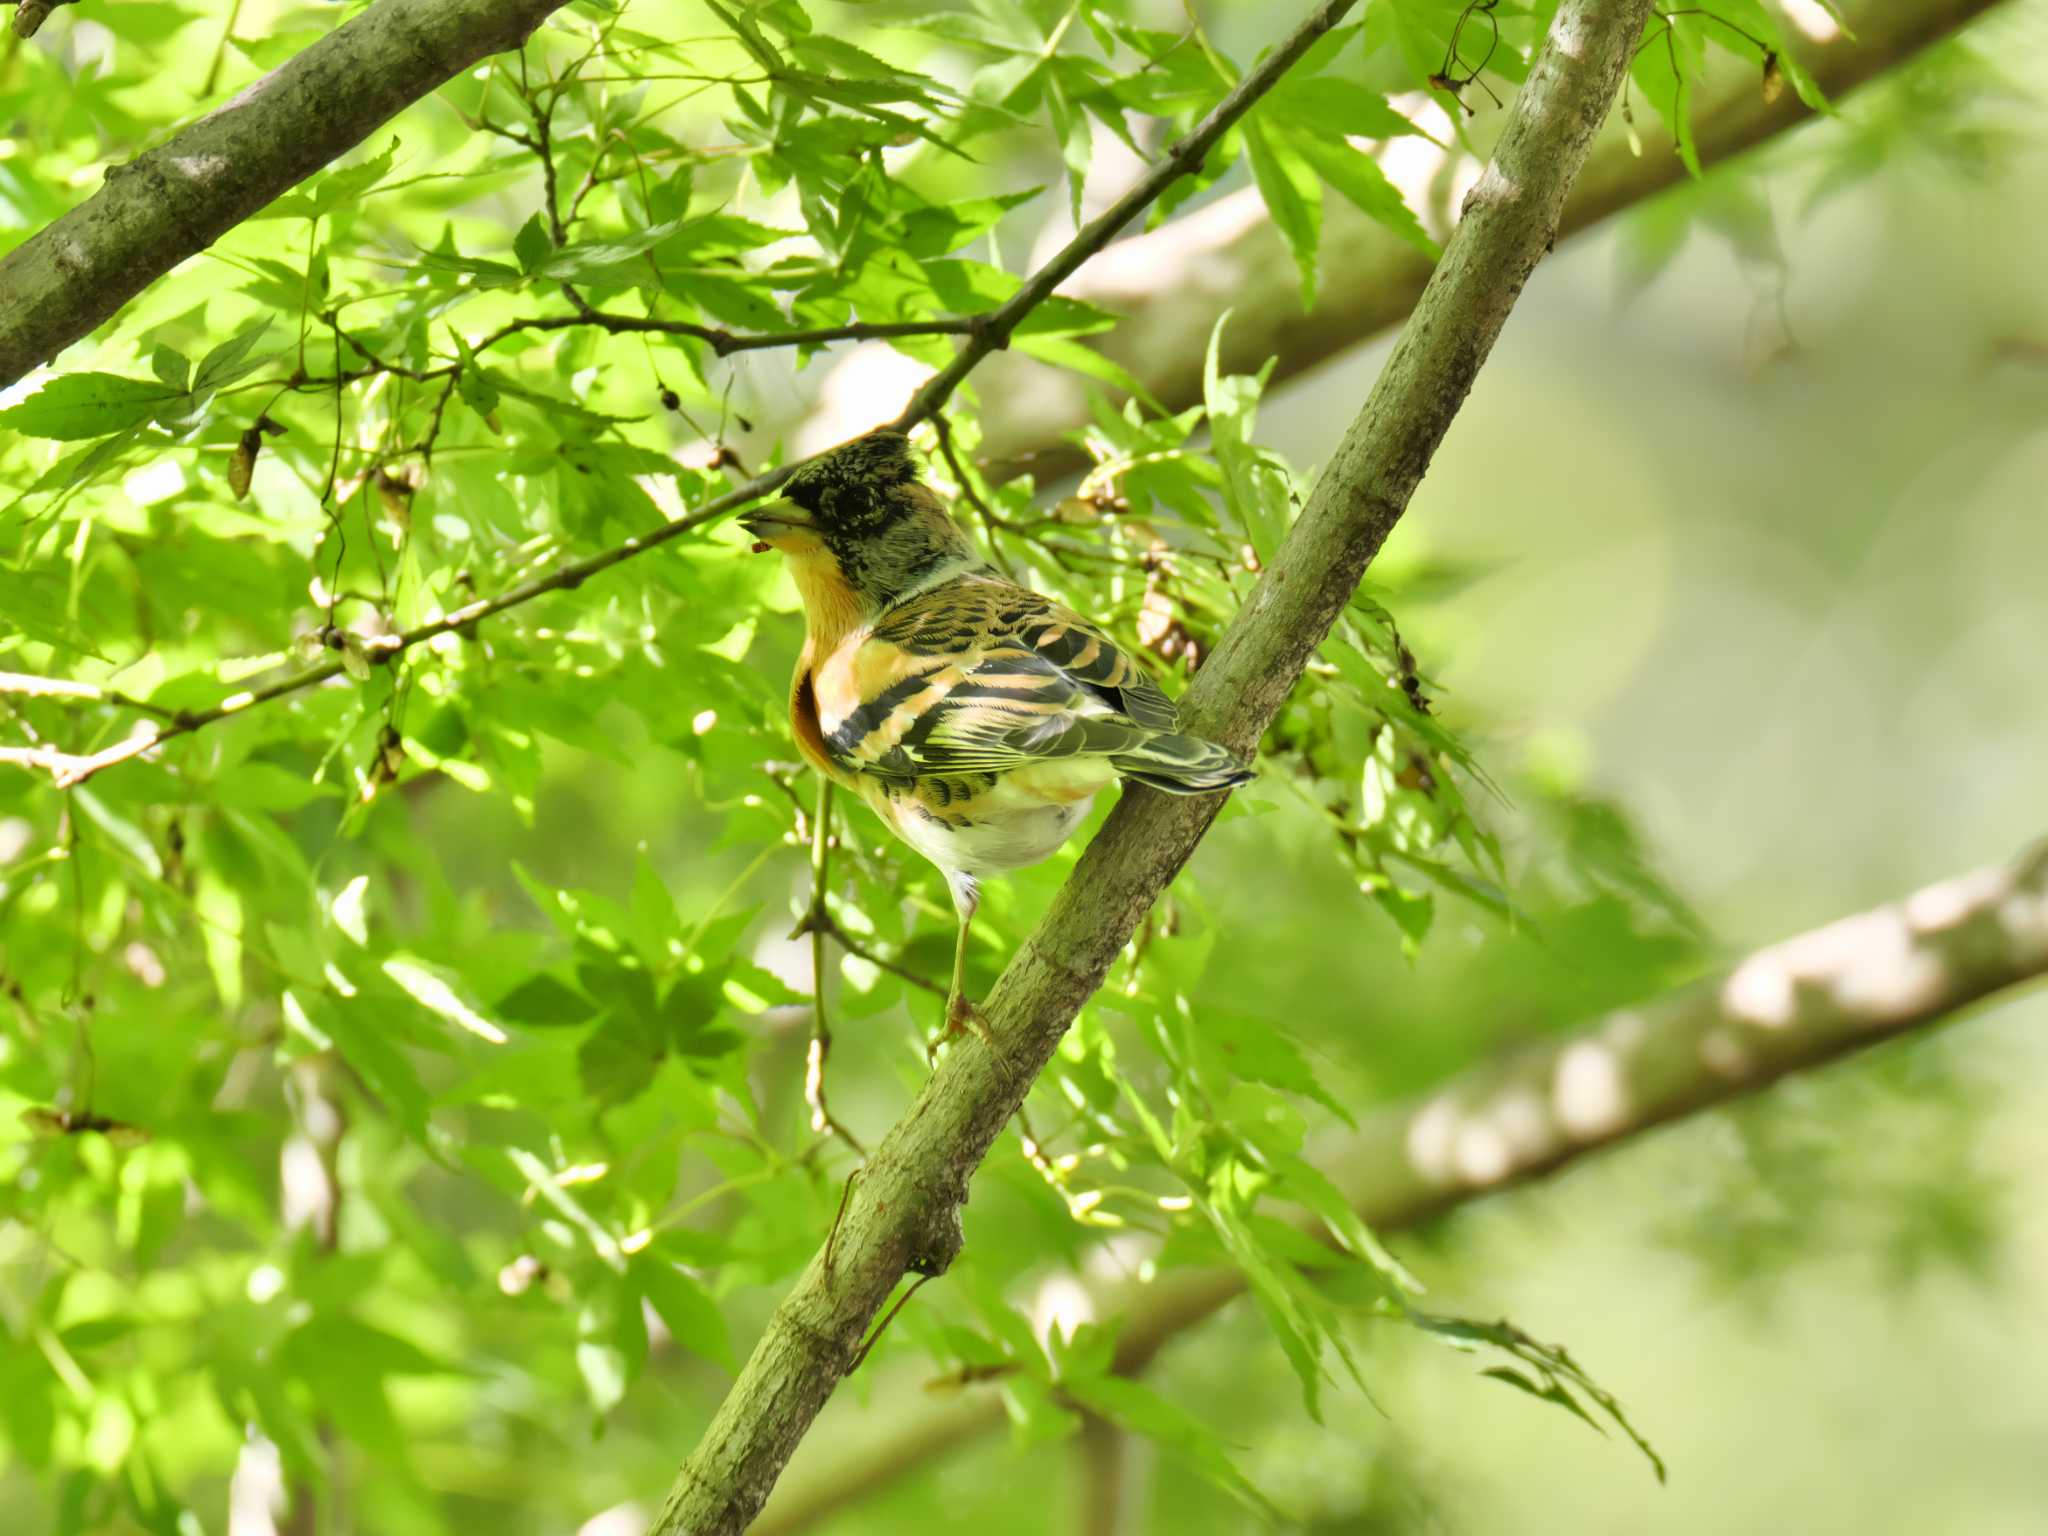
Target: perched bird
977 718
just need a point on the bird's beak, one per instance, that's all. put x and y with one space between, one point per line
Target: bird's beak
775 517
779 524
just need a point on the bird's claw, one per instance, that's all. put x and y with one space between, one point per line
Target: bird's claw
962 1018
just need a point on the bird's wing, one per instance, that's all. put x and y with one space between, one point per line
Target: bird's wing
980 676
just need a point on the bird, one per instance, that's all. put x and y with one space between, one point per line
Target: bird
977 718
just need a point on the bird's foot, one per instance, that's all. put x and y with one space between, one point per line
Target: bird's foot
962 1018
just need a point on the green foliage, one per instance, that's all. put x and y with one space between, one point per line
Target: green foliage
1544 1371
403 1071
1671 63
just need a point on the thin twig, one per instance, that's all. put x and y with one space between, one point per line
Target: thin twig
887 1318
725 343
831 928
1181 159
1034 1151
23 683
961 478
46 759
814 924
220 49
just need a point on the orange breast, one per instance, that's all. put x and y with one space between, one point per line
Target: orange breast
803 723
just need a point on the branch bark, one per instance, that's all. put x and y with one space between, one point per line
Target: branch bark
1795 1006
177 199
903 1214
1168 287
29 15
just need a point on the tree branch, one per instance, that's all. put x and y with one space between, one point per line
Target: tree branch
1104 1451
721 341
724 342
29 15
1794 1006
177 199
1168 286
904 1213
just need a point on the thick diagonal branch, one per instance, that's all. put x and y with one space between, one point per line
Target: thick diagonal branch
903 1215
1791 1007
180 197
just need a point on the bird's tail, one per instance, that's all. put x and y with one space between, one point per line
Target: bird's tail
1182 765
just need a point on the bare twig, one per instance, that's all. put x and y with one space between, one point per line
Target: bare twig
725 343
45 759
815 922
867 1345
961 478
836 932
721 341
992 332
26 685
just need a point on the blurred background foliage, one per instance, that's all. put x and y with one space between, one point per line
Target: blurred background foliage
455 997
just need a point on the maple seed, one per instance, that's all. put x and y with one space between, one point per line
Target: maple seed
242 467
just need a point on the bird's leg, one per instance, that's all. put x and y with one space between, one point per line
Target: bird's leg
962 1015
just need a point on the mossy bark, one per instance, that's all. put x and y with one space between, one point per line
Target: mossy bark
177 199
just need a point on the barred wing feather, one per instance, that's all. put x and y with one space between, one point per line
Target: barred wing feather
980 676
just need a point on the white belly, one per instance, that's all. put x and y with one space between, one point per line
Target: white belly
1001 839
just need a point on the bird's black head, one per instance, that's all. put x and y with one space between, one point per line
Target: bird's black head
860 516
848 492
